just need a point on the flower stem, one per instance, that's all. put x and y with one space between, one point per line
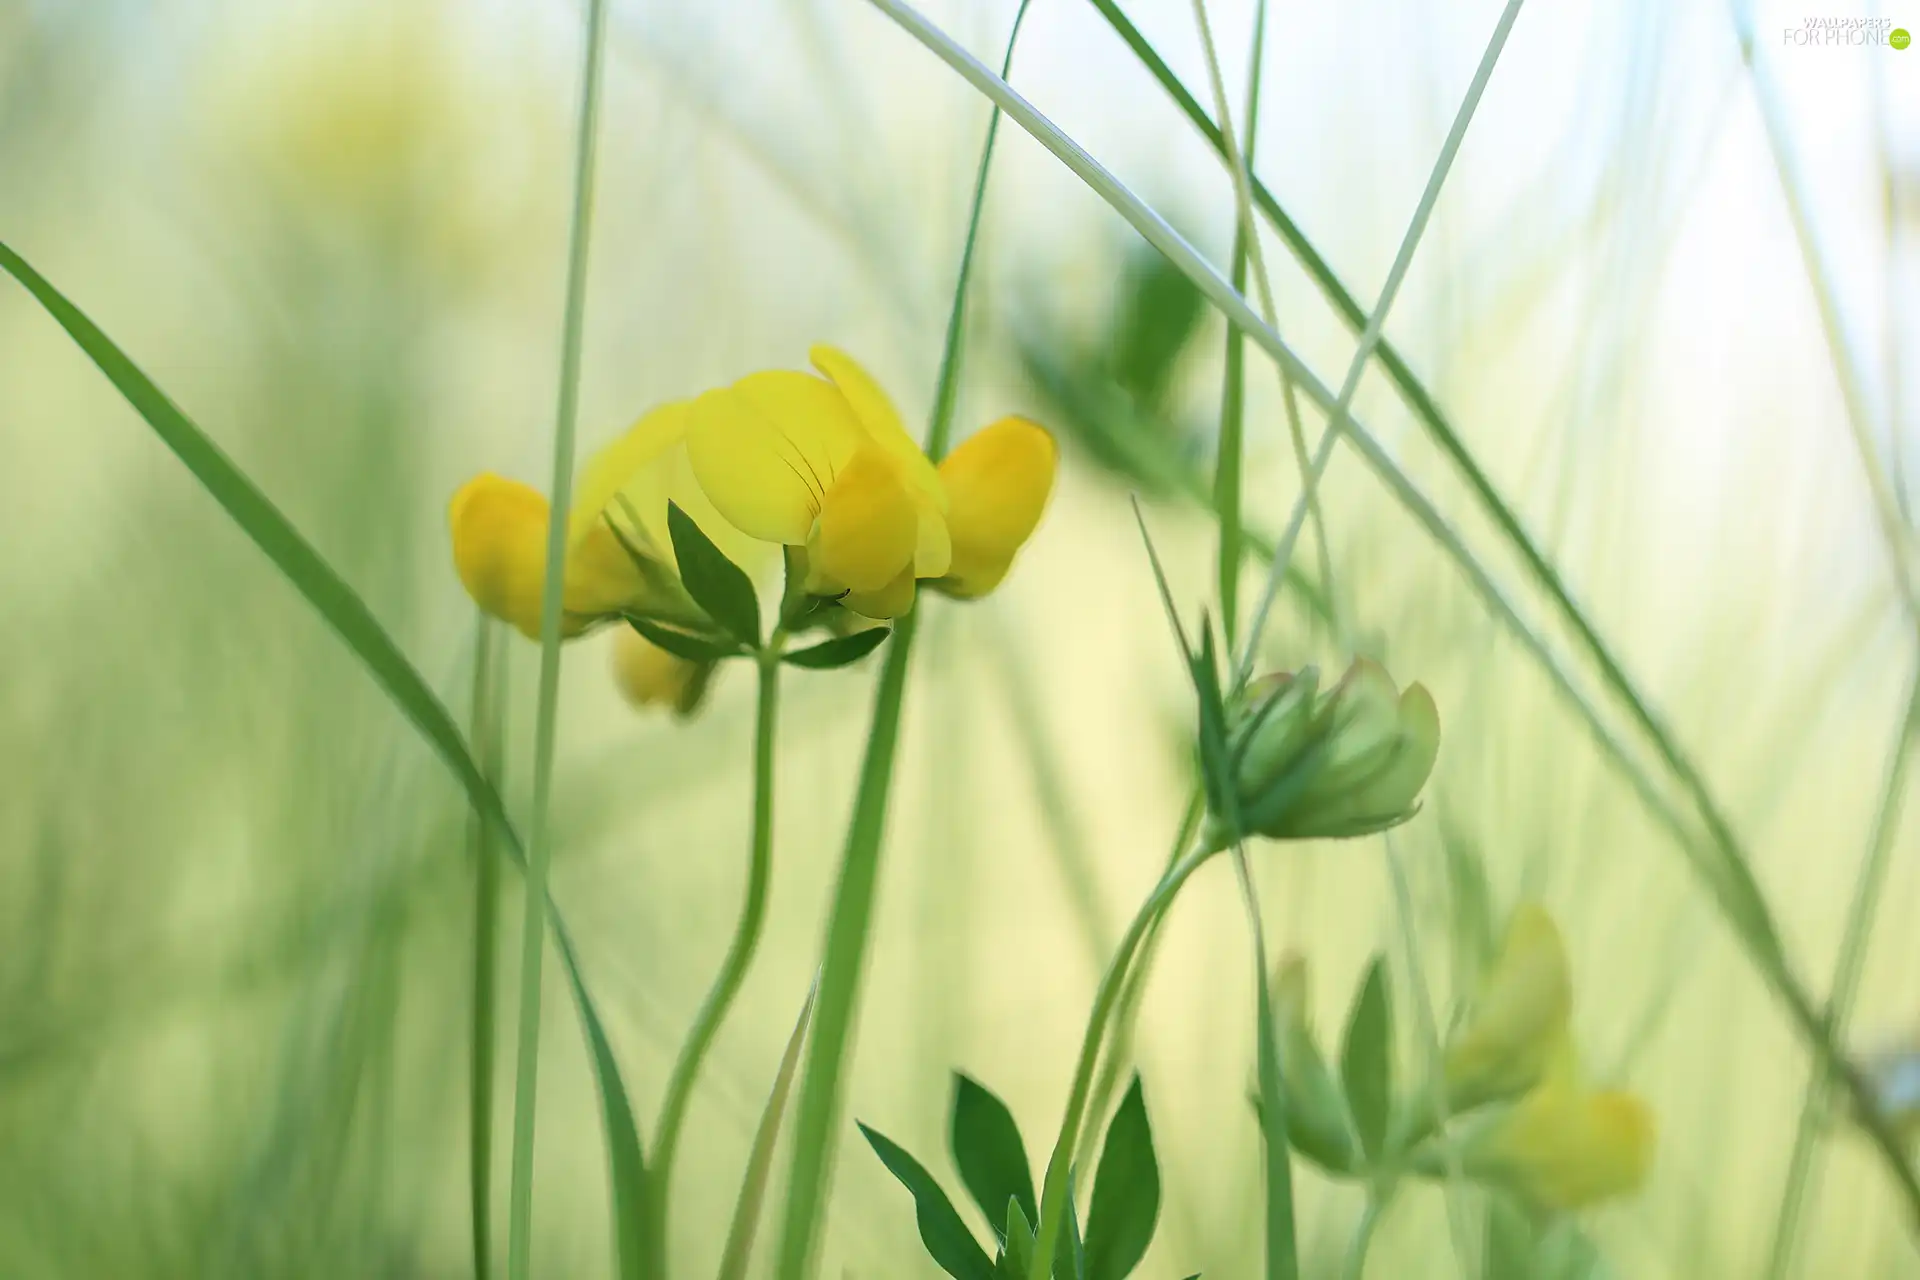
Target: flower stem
1059 1166
539 850
1355 1265
733 968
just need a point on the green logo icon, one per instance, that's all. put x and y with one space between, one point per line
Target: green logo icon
1899 38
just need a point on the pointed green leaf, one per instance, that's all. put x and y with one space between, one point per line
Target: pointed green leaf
842 651
1017 1256
1126 1193
683 644
716 583
1216 758
947 1240
1366 1059
753 1187
1070 1255
988 1151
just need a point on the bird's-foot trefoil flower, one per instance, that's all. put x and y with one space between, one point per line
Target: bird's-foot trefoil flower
1565 1146
1519 1022
823 466
1349 762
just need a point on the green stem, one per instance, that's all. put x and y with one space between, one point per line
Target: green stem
817 1122
487 732
1801 1171
539 851
1354 1267
1127 1014
840 972
733 967
1105 1000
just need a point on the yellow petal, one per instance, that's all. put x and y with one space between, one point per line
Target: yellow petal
881 421
631 472
499 530
891 601
648 675
997 485
1520 1020
867 528
1565 1149
767 448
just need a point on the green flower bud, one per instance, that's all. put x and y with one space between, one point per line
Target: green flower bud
1349 763
1318 1123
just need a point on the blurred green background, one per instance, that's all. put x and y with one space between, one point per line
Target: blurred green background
235 894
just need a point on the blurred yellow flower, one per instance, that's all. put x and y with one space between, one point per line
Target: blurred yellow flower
823 465
1566 1147
648 675
619 556
1519 1021
997 484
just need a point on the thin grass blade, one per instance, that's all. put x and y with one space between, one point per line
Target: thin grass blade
753 1187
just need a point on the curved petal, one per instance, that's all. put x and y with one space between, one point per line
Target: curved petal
881 421
499 530
646 674
891 601
767 448
997 484
629 468
865 535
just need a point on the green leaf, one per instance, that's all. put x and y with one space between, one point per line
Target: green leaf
1366 1059
716 583
1070 1255
1511 1242
347 614
627 1162
1017 1256
1216 757
753 1187
947 1240
683 644
988 1150
1282 1247
1126 1193
842 651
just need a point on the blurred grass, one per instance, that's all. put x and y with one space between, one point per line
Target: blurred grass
233 1009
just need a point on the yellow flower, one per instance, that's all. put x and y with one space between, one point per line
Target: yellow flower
648 675
499 531
619 556
824 464
997 485
1564 1146
1520 1020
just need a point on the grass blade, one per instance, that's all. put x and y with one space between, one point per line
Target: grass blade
753 1187
337 603
1802 1173
489 728
532 937
342 609
816 1127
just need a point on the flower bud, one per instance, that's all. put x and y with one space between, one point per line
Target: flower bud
648 675
1349 763
1520 1020
1318 1123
